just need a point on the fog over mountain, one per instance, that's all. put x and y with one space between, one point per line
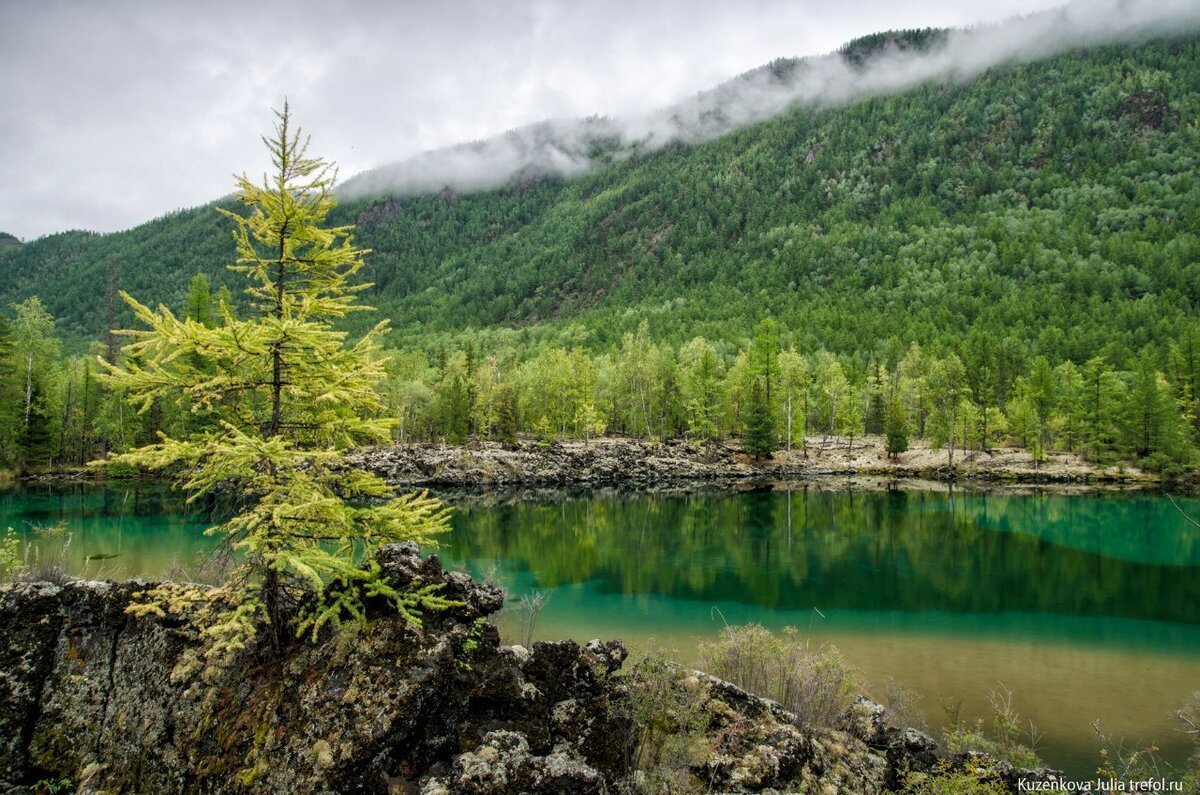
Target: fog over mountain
118 112
570 147
115 113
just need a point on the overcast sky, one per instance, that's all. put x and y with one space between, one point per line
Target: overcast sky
112 113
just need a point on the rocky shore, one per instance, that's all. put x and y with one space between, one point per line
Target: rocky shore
97 698
639 464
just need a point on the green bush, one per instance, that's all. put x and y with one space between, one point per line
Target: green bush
1008 737
10 555
121 470
815 684
668 728
955 784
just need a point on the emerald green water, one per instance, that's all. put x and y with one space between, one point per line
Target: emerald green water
1087 606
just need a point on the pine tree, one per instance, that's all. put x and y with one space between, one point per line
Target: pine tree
290 395
758 438
505 429
37 438
895 428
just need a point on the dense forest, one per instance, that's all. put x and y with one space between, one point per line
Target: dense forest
1015 259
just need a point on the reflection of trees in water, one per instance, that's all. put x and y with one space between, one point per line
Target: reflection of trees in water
891 550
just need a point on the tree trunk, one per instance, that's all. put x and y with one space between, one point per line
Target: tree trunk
28 386
789 413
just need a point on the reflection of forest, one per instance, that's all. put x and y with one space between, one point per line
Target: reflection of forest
866 551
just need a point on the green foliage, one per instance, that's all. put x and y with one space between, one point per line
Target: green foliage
952 784
1005 736
895 426
471 644
53 786
198 306
702 387
758 436
285 396
669 722
1120 762
119 469
815 684
1028 203
1014 258
10 554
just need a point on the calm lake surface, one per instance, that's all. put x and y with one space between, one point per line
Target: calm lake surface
1087 607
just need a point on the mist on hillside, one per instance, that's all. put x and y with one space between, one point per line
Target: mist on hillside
870 67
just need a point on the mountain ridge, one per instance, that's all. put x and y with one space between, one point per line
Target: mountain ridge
946 201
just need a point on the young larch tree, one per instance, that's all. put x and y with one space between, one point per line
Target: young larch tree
284 394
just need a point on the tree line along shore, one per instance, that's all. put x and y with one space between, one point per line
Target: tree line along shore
985 409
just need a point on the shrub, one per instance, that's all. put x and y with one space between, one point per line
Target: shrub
10 554
954 784
119 470
668 723
1009 737
815 684
530 607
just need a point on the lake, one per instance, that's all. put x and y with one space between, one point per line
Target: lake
1085 606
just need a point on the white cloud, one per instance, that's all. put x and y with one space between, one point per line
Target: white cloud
117 112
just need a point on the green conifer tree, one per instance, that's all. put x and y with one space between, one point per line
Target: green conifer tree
290 395
758 438
199 301
895 428
505 429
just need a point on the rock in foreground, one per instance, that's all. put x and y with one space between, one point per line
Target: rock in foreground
109 699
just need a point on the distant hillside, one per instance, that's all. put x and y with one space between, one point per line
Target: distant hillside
1054 203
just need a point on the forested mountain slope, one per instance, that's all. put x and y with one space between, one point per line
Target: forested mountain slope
1053 203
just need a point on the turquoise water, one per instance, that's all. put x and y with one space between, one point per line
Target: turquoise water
1087 607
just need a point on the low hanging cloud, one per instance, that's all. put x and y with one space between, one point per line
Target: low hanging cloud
568 148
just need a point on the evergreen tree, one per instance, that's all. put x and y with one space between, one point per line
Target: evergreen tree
7 348
505 429
876 417
758 437
454 399
895 428
764 353
199 301
1103 395
112 273
37 435
1157 429
291 395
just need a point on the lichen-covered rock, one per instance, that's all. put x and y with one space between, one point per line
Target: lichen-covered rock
111 698
30 624
907 750
87 687
503 764
757 746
